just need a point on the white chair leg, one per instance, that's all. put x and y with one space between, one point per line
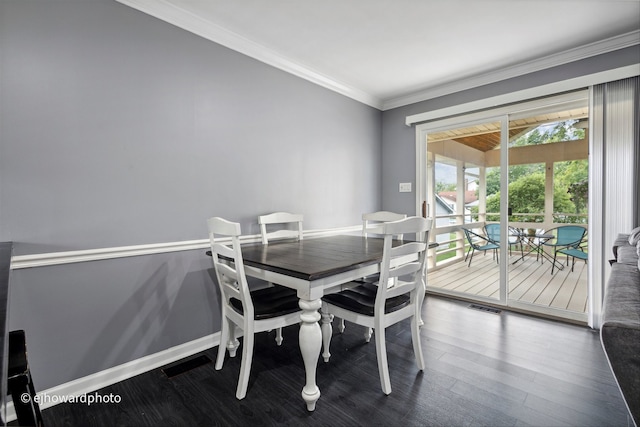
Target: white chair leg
341 326
383 367
420 296
224 338
327 331
279 336
367 334
417 347
245 365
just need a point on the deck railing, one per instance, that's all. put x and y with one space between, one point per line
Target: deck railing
452 244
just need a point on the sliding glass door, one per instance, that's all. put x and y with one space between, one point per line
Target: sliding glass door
500 188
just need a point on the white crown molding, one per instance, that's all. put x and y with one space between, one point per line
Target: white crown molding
568 56
522 95
188 21
68 257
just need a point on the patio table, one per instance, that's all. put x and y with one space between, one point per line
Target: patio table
535 242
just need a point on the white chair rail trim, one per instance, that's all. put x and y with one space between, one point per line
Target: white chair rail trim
70 257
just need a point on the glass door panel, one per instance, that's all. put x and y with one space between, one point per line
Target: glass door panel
548 185
466 262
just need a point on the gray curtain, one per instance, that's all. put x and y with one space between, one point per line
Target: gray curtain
614 162
616 126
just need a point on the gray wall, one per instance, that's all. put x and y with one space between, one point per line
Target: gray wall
119 129
398 140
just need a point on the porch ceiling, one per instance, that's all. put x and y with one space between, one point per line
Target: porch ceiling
486 136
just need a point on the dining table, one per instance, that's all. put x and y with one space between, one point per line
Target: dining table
314 267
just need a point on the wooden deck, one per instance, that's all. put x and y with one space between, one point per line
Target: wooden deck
530 281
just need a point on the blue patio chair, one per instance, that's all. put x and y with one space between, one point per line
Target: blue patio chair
566 237
493 234
575 253
479 243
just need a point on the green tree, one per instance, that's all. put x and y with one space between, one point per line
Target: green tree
443 186
526 195
515 173
572 177
579 192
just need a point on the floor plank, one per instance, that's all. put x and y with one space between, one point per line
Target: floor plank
481 369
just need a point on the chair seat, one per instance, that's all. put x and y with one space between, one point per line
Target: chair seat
362 299
374 278
488 246
270 302
576 253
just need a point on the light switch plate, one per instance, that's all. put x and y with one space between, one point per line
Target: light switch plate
405 187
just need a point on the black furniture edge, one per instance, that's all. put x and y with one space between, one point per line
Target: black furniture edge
6 249
620 330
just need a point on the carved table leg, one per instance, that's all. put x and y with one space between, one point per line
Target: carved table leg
310 345
327 331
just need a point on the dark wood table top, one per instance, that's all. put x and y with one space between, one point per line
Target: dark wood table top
314 258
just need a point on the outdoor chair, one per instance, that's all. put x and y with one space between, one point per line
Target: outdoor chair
479 243
575 253
566 237
493 234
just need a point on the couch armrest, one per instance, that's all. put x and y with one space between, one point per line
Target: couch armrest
621 240
620 332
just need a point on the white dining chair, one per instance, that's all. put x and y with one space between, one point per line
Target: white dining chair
253 312
376 305
371 221
370 226
278 226
280 219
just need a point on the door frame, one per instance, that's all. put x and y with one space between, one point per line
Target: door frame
504 114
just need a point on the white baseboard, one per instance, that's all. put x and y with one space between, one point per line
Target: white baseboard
99 380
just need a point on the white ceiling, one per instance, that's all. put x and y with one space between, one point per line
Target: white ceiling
388 53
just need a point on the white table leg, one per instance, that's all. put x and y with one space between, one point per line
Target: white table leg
310 339
327 331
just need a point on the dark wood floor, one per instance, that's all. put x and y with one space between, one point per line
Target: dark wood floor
481 369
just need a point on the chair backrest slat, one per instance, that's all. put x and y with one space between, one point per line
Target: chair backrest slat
400 288
404 269
407 249
473 238
493 232
569 235
283 219
398 261
372 222
228 263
